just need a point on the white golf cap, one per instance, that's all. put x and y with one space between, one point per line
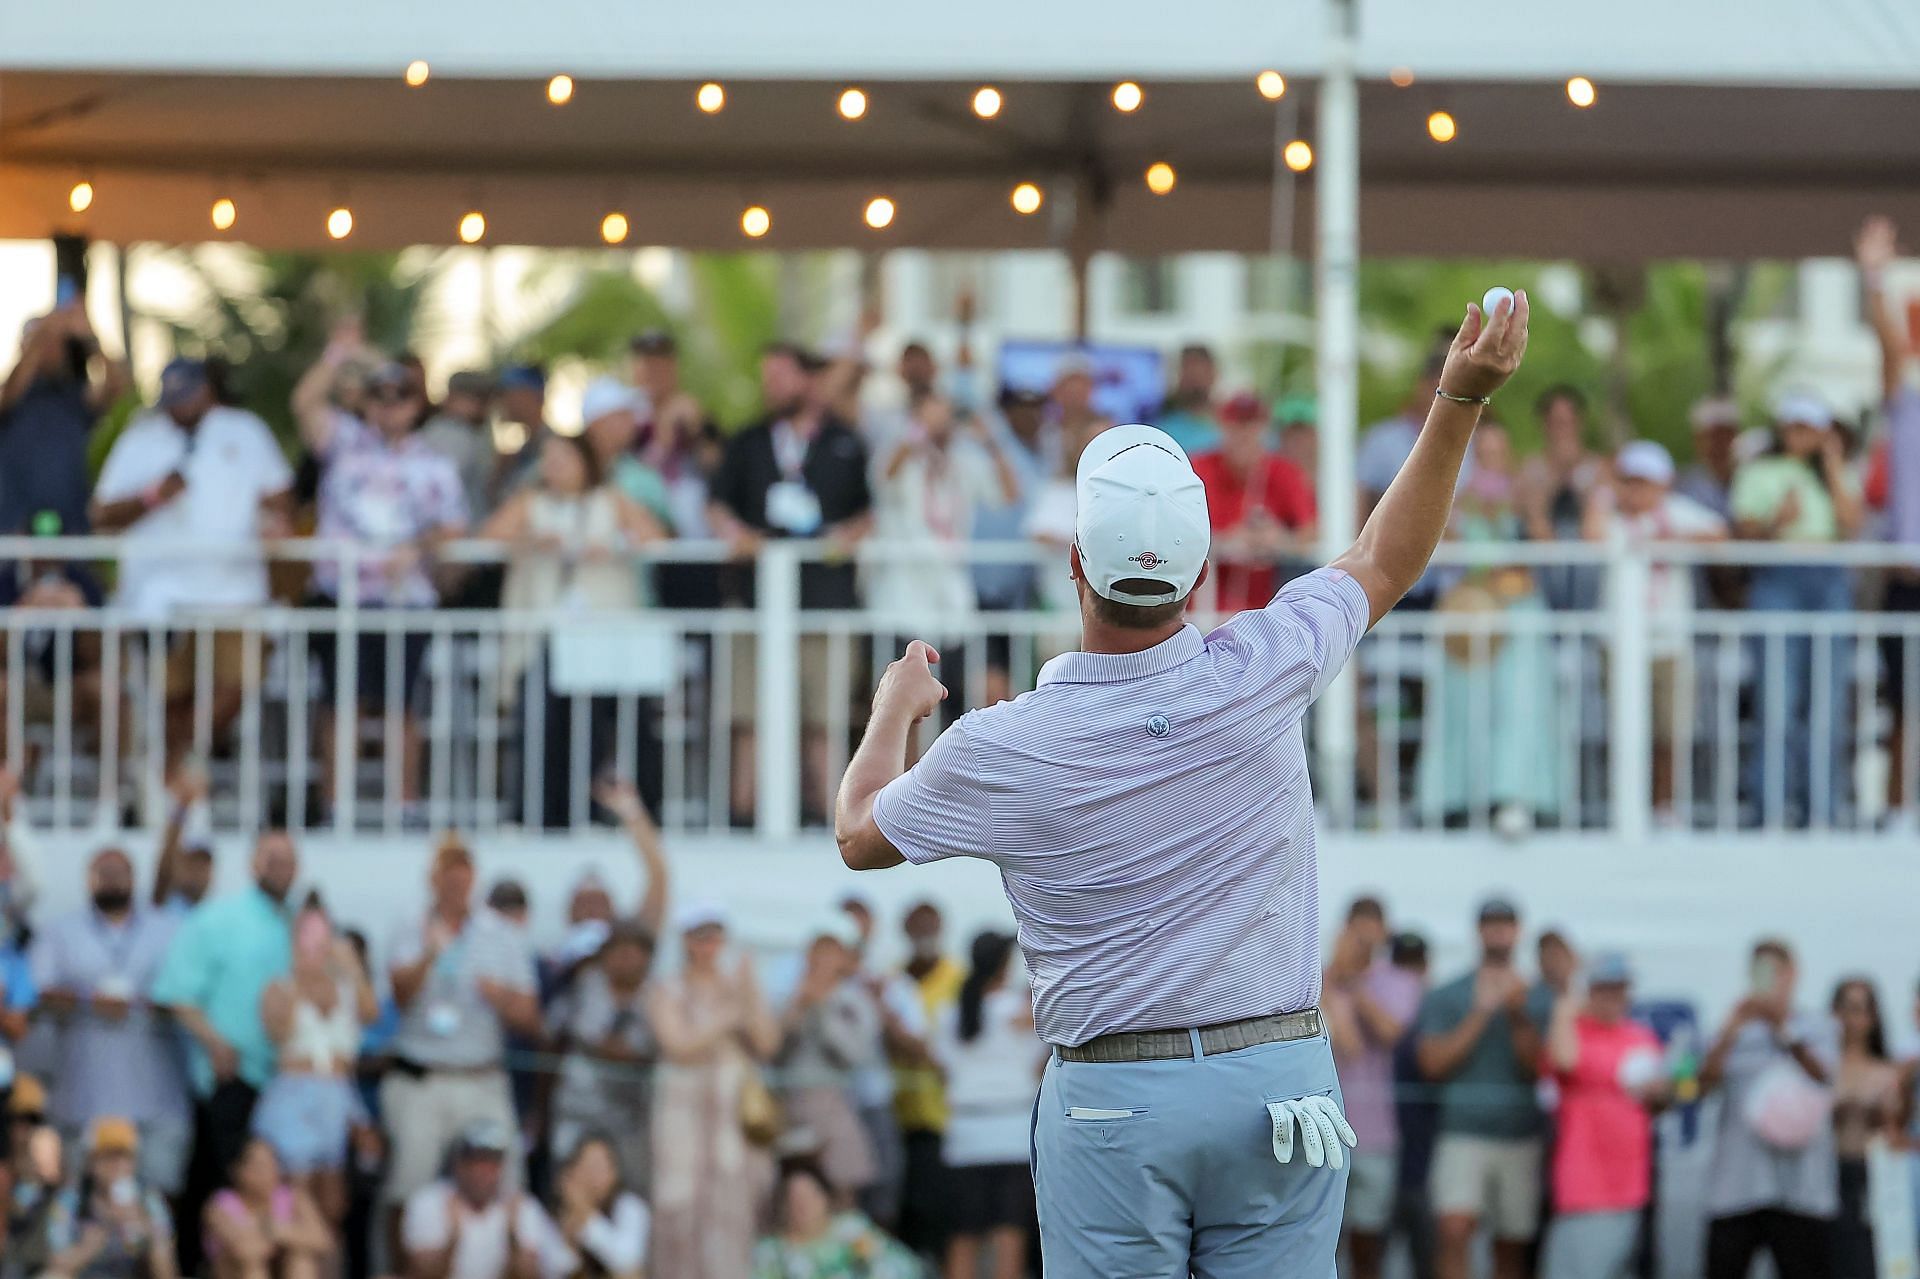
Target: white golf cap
838 927
1142 515
700 914
606 395
1804 407
1644 460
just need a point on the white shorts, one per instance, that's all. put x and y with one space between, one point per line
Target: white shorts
1496 1181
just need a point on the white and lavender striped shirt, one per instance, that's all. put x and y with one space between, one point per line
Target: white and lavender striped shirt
1151 817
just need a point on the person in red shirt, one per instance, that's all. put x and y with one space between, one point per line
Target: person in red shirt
1611 1076
1260 504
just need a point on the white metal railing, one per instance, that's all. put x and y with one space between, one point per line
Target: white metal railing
1505 717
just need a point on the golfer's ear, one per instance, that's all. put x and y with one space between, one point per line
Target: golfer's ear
1073 562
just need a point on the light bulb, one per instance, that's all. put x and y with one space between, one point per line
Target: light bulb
1401 77
710 98
1580 91
1441 127
755 221
560 90
1298 155
224 214
473 225
418 72
1272 85
1027 198
340 223
1127 96
80 199
613 227
879 213
853 104
987 102
1160 177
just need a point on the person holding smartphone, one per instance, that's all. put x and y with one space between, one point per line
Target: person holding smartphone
1772 1183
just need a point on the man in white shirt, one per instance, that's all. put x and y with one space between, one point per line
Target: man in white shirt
194 471
469 1226
1634 506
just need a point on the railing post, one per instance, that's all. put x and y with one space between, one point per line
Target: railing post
346 689
778 751
1629 715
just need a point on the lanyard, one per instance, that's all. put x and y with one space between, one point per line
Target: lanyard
789 450
117 943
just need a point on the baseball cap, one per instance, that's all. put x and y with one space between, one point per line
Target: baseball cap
839 926
181 378
470 382
483 1138
699 914
1802 406
1714 410
1297 408
654 342
523 377
390 374
1644 460
608 395
1019 397
28 1098
112 1135
1073 364
1243 409
1142 515
1498 909
1609 968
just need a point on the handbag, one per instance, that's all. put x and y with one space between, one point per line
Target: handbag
762 1119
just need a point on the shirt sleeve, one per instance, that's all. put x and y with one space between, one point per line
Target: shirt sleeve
187 968
939 808
271 473
130 466
1752 497
618 1243
556 1257
424 1225
1300 641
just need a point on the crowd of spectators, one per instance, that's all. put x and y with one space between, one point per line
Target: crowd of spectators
919 491
235 1085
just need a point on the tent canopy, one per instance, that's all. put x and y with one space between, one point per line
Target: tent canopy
1765 130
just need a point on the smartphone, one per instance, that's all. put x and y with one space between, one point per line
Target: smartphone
65 290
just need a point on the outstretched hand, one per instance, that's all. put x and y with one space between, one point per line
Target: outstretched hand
909 684
1487 349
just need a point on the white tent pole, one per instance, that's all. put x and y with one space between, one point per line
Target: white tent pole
1336 363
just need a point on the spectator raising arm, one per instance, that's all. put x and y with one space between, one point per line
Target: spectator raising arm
313 408
623 801
1875 248
1399 537
187 789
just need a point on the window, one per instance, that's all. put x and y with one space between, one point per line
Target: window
1149 286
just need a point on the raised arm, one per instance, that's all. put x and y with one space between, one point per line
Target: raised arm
623 801
1399 536
908 693
1875 248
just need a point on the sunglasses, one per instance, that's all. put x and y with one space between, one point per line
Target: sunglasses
391 395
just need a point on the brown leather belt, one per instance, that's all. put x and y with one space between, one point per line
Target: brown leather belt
1167 1045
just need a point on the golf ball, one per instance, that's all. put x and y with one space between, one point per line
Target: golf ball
1494 297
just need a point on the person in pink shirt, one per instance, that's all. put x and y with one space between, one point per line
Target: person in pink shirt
1368 1004
1611 1076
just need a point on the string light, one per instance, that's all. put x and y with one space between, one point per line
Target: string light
417 73
473 225
1401 77
710 98
340 223
755 221
80 199
224 214
560 90
613 227
1580 91
853 104
1160 177
1127 96
1298 155
987 102
1027 198
879 213
1272 85
1441 127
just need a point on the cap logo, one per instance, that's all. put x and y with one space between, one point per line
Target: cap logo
1146 560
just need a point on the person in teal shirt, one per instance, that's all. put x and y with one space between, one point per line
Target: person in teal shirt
227 952
1187 414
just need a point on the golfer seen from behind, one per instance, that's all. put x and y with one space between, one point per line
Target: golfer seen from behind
1149 810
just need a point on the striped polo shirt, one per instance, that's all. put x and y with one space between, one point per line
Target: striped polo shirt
1151 818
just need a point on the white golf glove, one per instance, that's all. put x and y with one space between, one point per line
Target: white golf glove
1322 1130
